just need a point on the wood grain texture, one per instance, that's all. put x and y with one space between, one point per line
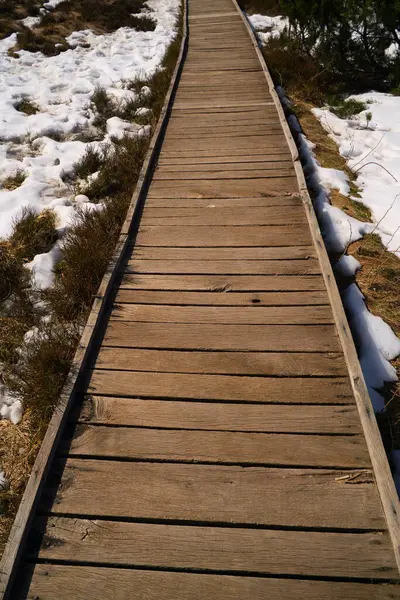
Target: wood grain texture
103 410
182 336
237 315
193 203
224 267
215 216
92 583
221 387
225 188
176 235
137 296
224 284
221 494
219 447
364 555
257 254
239 363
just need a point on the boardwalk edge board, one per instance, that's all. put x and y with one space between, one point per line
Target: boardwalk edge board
15 544
382 472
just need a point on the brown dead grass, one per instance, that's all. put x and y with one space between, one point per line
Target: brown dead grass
18 447
39 378
379 276
101 16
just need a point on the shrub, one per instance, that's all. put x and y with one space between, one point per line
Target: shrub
33 233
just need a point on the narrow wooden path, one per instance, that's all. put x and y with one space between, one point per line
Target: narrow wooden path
219 452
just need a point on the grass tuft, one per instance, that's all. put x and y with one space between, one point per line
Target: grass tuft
33 233
89 163
27 106
347 109
87 249
12 182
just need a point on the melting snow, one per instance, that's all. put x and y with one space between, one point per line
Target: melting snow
61 87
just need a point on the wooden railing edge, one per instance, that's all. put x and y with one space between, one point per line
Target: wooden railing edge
23 518
383 476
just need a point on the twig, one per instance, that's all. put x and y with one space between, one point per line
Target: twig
386 213
375 163
370 152
349 242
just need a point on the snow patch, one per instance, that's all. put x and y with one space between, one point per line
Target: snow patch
61 87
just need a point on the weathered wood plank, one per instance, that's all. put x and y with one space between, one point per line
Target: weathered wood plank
271 418
258 255
137 384
225 267
362 555
232 363
196 203
175 336
293 215
323 451
221 175
221 494
239 315
91 583
225 188
225 284
218 166
178 298
175 235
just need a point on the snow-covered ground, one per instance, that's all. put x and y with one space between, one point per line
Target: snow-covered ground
371 147
61 87
370 143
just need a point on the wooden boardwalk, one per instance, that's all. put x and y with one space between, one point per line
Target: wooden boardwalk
219 453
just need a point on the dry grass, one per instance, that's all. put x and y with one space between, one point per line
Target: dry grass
12 182
33 233
18 447
38 376
26 106
101 16
379 277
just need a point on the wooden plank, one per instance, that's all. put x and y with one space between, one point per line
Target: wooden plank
218 299
260 201
92 583
220 494
278 338
284 253
137 384
244 143
224 216
273 173
217 166
226 267
103 410
258 255
225 283
225 188
233 363
239 315
176 235
226 447
362 555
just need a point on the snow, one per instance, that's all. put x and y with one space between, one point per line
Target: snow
373 151
4 485
61 87
31 21
267 27
371 137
